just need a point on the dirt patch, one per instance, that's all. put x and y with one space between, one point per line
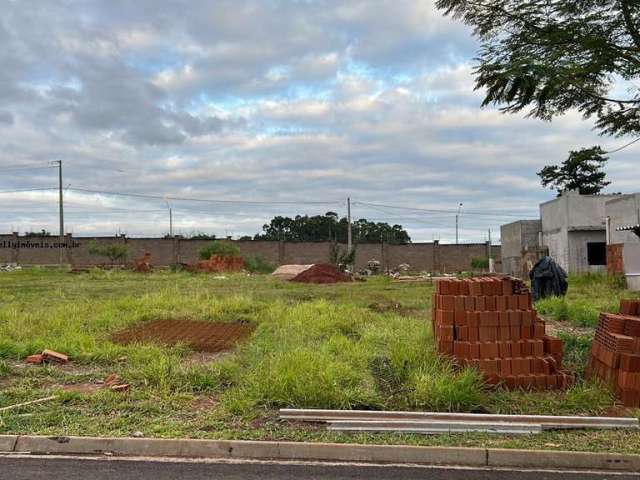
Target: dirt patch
197 335
553 327
80 387
322 273
394 307
200 404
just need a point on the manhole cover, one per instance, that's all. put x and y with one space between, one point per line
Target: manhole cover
198 335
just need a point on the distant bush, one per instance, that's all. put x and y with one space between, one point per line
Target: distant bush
224 249
258 264
114 252
481 263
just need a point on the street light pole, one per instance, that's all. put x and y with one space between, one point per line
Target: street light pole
61 211
458 222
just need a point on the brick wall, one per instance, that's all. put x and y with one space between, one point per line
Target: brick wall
431 257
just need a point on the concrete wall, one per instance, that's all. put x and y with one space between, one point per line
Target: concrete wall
421 256
571 221
518 238
623 211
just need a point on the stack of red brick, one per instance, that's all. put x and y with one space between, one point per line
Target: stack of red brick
489 323
615 352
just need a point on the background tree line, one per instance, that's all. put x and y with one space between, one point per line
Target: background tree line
330 227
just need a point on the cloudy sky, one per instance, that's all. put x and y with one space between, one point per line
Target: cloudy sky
294 105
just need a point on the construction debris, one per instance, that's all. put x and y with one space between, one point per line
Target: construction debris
442 422
47 356
37 359
218 264
489 323
115 383
142 264
615 352
25 404
53 356
315 273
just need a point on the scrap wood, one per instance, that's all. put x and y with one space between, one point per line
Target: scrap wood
115 383
32 402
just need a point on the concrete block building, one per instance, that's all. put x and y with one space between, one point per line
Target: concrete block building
520 246
623 242
574 230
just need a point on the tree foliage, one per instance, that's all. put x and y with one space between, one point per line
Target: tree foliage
550 56
224 249
113 251
330 227
582 171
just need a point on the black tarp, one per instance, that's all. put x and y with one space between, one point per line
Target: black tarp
548 279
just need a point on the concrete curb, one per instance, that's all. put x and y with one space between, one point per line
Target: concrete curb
333 452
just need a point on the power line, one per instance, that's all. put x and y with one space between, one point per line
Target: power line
453 212
205 200
623 147
28 166
28 190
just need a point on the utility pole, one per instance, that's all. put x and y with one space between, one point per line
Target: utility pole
458 222
61 207
349 238
490 255
170 222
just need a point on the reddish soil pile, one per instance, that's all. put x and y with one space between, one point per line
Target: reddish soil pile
198 335
322 273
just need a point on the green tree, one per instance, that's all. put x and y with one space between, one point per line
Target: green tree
552 56
113 251
582 171
224 249
330 227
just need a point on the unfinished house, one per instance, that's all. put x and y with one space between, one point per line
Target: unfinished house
574 231
623 239
520 247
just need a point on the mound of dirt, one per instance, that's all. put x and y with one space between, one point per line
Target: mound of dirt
322 273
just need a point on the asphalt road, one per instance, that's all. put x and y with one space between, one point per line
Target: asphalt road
82 468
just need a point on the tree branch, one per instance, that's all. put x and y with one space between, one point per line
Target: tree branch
628 20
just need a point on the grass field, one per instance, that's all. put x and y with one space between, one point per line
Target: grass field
361 345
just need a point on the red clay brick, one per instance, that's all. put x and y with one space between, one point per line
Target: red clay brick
512 302
469 303
515 318
447 302
504 349
53 356
458 303
462 333
474 335
445 317
505 366
524 301
630 362
501 303
507 286
490 303
34 359
474 350
481 304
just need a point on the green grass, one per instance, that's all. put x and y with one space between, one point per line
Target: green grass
361 345
587 296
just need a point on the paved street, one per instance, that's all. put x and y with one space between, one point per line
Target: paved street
78 468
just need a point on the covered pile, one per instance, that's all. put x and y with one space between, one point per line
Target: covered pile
615 352
489 323
316 273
